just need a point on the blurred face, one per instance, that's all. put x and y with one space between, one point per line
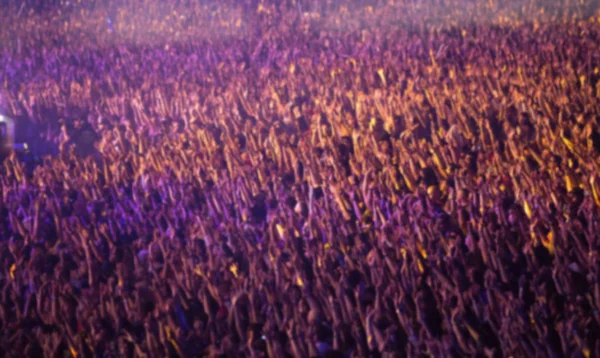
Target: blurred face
512 217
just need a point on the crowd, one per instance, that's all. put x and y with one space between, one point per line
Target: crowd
289 178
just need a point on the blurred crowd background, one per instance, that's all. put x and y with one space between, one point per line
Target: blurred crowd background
301 178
